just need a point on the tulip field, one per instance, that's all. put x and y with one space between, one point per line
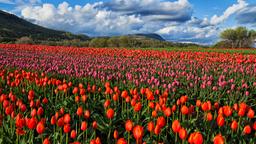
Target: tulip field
63 95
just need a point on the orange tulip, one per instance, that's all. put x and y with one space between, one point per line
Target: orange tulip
115 135
151 126
234 125
168 112
128 125
176 126
161 121
79 111
138 132
121 141
84 126
67 118
184 110
218 139
220 120
182 134
209 116
250 113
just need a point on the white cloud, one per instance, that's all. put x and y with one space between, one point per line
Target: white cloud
81 19
186 32
247 15
228 12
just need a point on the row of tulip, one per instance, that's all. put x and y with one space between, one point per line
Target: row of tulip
36 107
51 95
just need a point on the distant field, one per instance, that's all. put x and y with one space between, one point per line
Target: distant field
243 51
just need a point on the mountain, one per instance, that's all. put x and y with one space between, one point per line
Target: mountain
149 35
12 27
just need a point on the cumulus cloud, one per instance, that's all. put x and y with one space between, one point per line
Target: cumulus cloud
201 23
81 19
247 15
154 10
186 33
229 11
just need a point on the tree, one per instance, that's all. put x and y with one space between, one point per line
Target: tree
240 37
113 42
124 41
229 36
98 42
24 40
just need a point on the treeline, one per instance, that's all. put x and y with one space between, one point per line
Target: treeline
118 41
240 37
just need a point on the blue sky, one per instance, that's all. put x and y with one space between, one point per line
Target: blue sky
198 21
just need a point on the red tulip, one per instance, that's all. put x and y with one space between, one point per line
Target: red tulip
198 103
40 128
115 135
53 120
110 113
227 111
79 111
87 114
184 110
176 126
66 128
241 112
67 118
62 110
60 122
209 116
196 138
151 105
84 126
220 120
250 113
218 139
121 141
73 134
33 113
23 108
128 125
20 131
204 106
182 134
138 132
45 100
97 140
168 112
161 121
75 90
94 125
32 123
107 103
247 129
137 107
40 111
151 126
46 141
234 125
157 130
